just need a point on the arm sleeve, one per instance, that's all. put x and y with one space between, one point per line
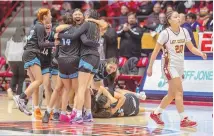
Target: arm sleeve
188 38
163 37
41 37
88 42
120 31
82 29
136 33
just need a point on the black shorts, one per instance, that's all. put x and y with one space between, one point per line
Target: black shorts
68 67
29 55
132 105
30 58
45 61
54 63
89 64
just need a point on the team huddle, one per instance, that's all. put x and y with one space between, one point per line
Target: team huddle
67 55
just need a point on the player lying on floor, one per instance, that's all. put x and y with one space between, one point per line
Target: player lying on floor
116 103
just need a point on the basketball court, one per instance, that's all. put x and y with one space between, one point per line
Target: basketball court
13 122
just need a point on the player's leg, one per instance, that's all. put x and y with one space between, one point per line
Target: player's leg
47 86
54 97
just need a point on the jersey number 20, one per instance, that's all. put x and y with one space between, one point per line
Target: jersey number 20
179 48
66 42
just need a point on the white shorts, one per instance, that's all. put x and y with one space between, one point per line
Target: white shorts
172 72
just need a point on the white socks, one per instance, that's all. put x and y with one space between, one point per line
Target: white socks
56 110
158 110
88 112
36 107
79 113
182 115
63 112
49 110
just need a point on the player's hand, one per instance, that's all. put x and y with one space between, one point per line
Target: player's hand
56 35
204 56
113 110
91 91
125 27
149 72
56 42
129 27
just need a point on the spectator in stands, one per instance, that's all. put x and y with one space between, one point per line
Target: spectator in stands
203 17
110 43
209 25
186 25
130 42
169 8
55 15
66 7
153 19
145 9
161 26
123 16
191 19
13 53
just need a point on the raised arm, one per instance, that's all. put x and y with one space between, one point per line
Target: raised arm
136 33
88 42
120 31
78 32
61 28
102 24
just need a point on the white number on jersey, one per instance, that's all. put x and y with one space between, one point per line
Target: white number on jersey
45 52
30 35
66 41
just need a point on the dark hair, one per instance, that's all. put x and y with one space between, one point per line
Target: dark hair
131 13
102 113
19 34
67 18
101 101
192 15
98 112
75 10
93 13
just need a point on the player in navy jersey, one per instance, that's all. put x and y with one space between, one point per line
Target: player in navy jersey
46 58
35 41
68 61
118 103
88 62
